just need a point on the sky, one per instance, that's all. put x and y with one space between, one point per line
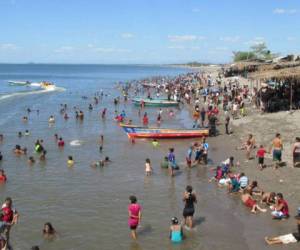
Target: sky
144 31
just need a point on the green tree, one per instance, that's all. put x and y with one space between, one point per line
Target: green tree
243 55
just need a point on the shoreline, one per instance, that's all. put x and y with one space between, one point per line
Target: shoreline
263 127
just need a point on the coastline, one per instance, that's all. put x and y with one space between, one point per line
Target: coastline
264 127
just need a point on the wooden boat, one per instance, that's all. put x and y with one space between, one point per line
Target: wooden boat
154 102
149 85
134 131
19 83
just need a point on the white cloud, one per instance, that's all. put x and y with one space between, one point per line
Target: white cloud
280 11
127 35
185 38
8 46
64 49
230 39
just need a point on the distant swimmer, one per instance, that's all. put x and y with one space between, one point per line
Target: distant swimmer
25 119
61 142
26 133
19 151
43 156
48 231
31 160
3 177
51 119
101 163
70 161
155 143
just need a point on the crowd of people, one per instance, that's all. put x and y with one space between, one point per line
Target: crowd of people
209 99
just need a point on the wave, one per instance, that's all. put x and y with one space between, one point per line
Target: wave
34 92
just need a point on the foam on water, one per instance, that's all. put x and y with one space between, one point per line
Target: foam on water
42 91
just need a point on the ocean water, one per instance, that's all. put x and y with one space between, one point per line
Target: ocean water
88 207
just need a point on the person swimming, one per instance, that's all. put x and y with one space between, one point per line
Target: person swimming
51 119
70 161
49 231
155 143
31 160
3 177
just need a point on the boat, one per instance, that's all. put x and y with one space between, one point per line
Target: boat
149 85
19 83
154 102
134 131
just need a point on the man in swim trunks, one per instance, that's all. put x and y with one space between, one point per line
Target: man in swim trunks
277 149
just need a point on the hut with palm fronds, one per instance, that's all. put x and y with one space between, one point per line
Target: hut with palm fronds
279 87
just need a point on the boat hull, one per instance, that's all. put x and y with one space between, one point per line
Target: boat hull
155 102
163 133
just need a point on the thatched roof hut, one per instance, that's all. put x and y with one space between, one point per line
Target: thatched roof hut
288 74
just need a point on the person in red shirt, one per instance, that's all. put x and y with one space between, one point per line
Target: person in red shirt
2 176
261 156
145 120
281 209
215 110
8 217
61 142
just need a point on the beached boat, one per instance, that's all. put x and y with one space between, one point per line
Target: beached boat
163 133
149 85
155 102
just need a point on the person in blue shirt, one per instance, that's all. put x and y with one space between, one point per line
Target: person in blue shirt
172 161
176 233
189 156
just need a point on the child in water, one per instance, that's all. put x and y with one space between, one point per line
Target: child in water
70 161
148 168
2 176
49 231
155 143
176 233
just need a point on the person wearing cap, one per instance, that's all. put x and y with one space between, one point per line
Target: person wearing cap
287 238
176 233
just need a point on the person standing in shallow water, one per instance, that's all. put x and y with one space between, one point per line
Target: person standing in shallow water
135 215
189 198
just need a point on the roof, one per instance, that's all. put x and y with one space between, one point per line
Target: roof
289 73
